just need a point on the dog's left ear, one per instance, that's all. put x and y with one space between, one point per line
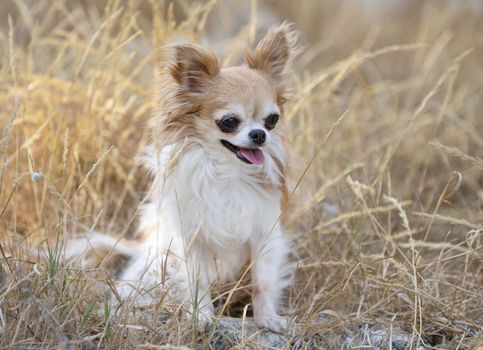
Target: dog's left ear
274 53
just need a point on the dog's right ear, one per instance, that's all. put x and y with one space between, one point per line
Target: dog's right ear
193 67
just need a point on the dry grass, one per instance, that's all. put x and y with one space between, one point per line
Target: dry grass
387 218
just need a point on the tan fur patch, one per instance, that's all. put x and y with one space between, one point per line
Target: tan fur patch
273 56
194 86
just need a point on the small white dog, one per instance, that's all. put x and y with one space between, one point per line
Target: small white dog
220 184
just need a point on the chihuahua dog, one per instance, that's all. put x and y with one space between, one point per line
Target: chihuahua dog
220 169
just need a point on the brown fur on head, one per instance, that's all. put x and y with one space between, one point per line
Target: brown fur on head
193 67
198 96
273 56
195 85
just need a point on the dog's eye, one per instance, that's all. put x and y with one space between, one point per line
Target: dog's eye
228 123
271 121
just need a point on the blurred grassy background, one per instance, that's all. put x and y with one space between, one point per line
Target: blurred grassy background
385 231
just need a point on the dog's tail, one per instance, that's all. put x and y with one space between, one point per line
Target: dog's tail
93 250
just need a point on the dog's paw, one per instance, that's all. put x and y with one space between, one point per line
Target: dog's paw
275 323
203 319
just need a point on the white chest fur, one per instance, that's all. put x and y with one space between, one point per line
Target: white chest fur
207 218
219 199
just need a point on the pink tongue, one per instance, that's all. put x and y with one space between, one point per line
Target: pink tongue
254 156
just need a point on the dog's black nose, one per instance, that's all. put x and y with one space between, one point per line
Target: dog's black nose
258 136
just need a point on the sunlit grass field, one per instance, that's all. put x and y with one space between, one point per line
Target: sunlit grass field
386 140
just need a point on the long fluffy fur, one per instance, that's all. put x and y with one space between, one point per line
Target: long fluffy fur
210 214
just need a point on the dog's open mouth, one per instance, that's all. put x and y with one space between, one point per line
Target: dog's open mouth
247 155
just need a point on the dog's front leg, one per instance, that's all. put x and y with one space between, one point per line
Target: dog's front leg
200 305
269 279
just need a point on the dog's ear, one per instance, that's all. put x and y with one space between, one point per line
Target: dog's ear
193 67
274 53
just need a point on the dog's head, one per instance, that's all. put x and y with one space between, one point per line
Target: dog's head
237 110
